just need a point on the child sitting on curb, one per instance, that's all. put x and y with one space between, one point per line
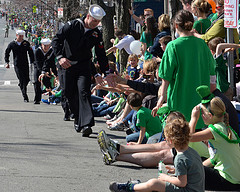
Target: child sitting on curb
189 172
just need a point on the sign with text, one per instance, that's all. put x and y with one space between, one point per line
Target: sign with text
60 12
231 13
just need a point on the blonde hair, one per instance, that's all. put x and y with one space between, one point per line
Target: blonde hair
149 66
163 22
218 109
132 56
202 5
178 132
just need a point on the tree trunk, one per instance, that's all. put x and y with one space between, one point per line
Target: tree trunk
174 7
123 22
107 25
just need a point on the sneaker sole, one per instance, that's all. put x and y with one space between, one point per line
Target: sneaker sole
104 148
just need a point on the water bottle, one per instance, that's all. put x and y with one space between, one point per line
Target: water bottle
161 168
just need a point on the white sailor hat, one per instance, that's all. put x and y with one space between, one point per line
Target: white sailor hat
96 12
20 32
46 41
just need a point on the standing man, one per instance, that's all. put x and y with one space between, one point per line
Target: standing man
20 48
72 46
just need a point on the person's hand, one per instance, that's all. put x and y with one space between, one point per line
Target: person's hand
130 11
40 77
159 104
196 112
132 143
163 176
7 66
111 80
99 80
65 63
98 86
112 40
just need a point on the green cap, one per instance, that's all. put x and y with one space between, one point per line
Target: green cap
163 110
205 93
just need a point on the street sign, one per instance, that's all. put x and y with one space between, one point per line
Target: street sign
231 13
60 12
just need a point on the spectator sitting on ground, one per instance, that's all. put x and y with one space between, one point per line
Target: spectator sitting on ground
188 168
147 124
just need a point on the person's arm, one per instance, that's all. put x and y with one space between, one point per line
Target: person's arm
207 163
180 181
30 53
162 98
141 135
194 118
144 48
7 55
111 50
136 18
224 46
201 136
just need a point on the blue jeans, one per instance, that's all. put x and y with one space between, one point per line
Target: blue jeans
103 110
134 138
96 99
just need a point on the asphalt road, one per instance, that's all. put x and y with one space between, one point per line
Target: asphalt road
41 152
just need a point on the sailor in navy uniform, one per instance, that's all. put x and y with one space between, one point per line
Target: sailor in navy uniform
72 46
44 65
20 48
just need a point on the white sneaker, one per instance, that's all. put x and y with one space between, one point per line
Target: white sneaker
108 147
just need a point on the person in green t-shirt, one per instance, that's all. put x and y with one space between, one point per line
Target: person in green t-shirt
218 48
186 64
148 36
221 169
200 9
148 124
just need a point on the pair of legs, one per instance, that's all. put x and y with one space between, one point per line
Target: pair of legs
146 155
126 111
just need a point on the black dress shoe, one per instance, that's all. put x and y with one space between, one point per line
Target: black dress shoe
66 119
87 130
36 102
77 128
26 100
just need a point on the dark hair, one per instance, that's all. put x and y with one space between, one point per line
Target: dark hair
187 2
119 32
165 40
134 99
151 27
184 19
212 44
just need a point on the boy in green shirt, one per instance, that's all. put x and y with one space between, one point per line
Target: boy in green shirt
218 48
148 124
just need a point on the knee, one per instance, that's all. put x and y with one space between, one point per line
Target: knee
152 182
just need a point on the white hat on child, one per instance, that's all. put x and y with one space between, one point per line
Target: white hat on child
46 41
96 12
20 32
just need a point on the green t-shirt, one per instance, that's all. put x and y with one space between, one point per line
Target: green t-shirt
188 163
148 40
202 25
221 74
145 119
225 156
186 63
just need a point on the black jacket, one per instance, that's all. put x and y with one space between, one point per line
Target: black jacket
19 53
73 43
44 62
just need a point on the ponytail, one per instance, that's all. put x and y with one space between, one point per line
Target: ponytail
226 121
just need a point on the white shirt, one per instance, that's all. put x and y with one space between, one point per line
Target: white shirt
125 43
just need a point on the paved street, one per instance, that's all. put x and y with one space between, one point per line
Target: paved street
41 152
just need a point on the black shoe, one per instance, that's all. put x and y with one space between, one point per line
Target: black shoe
36 102
87 130
77 128
26 100
66 119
